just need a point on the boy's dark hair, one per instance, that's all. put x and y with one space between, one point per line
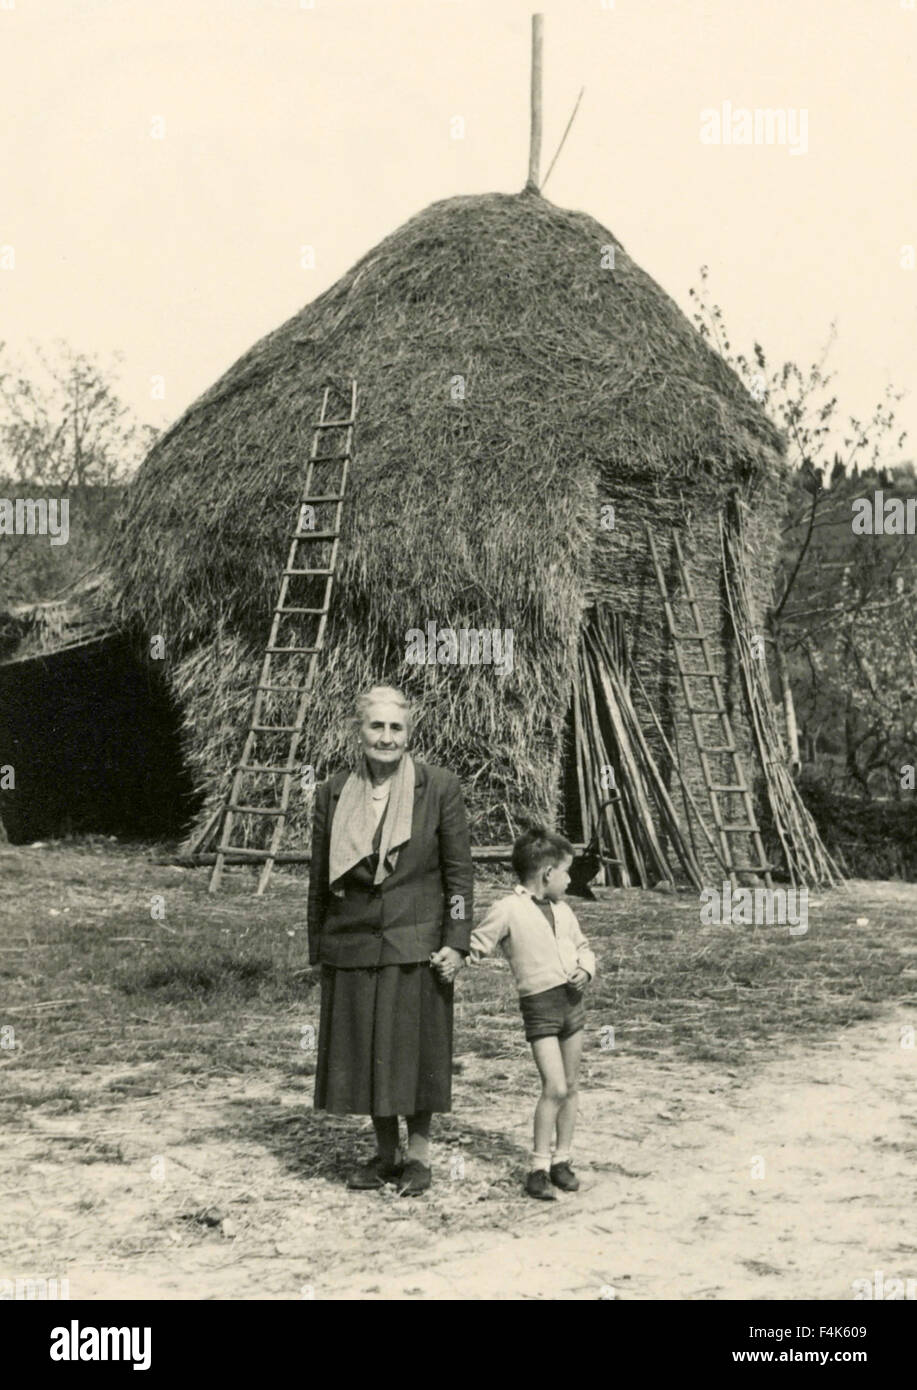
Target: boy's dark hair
537 847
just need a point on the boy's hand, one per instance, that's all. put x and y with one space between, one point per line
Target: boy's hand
580 978
447 962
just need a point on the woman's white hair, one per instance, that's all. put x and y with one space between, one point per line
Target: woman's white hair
382 695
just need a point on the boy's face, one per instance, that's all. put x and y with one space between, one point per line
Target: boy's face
557 879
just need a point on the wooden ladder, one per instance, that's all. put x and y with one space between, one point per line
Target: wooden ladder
297 631
735 784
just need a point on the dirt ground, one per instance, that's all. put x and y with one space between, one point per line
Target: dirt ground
752 1134
789 1182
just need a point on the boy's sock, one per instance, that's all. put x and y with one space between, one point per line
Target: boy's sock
541 1161
560 1157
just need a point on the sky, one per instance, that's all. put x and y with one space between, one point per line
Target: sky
163 165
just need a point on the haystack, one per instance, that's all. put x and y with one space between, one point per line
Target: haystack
512 382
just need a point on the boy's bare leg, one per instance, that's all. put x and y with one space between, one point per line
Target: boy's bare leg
550 1064
571 1050
419 1136
386 1127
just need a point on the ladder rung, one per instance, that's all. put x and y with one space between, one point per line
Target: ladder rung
261 767
314 535
691 636
698 673
300 610
274 650
333 424
329 458
752 868
741 788
704 709
255 810
327 571
721 748
276 729
324 497
739 829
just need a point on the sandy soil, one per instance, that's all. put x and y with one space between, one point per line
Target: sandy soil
788 1180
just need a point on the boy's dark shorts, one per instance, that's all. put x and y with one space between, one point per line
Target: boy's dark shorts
554 1013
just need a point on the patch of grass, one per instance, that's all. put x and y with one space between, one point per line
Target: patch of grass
221 985
98 1151
176 980
57 1100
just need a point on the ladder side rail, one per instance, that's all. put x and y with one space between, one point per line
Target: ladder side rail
723 714
232 801
318 645
696 728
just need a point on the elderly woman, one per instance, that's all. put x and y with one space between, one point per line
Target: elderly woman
390 915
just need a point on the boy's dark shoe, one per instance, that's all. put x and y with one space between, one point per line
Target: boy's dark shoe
375 1173
538 1184
416 1177
563 1176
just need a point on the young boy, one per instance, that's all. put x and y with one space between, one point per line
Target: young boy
552 963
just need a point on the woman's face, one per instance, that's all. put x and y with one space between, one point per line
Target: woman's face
384 732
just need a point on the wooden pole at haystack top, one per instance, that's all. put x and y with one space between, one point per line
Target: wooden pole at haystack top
535 140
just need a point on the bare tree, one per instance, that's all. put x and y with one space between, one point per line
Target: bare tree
65 432
843 620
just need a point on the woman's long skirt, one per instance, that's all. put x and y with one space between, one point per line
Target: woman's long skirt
384 1041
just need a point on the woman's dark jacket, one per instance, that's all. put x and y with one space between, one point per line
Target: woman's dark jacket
426 903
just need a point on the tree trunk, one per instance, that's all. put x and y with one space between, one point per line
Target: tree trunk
789 708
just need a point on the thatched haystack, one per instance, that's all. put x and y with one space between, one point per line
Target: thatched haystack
510 383
52 625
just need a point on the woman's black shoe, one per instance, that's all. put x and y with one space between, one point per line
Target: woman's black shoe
375 1173
416 1177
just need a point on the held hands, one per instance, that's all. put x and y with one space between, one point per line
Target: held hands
447 962
580 978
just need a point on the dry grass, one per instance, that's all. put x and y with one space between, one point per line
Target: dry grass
82 958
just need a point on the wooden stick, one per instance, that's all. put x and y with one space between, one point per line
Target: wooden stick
535 139
627 819
586 757
42 1004
563 139
664 801
616 827
577 747
479 853
632 770
804 850
200 838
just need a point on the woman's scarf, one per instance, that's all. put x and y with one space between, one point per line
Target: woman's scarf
353 826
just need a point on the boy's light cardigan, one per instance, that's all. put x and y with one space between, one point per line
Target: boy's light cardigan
539 959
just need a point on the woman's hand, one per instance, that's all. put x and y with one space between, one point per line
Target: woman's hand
447 962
